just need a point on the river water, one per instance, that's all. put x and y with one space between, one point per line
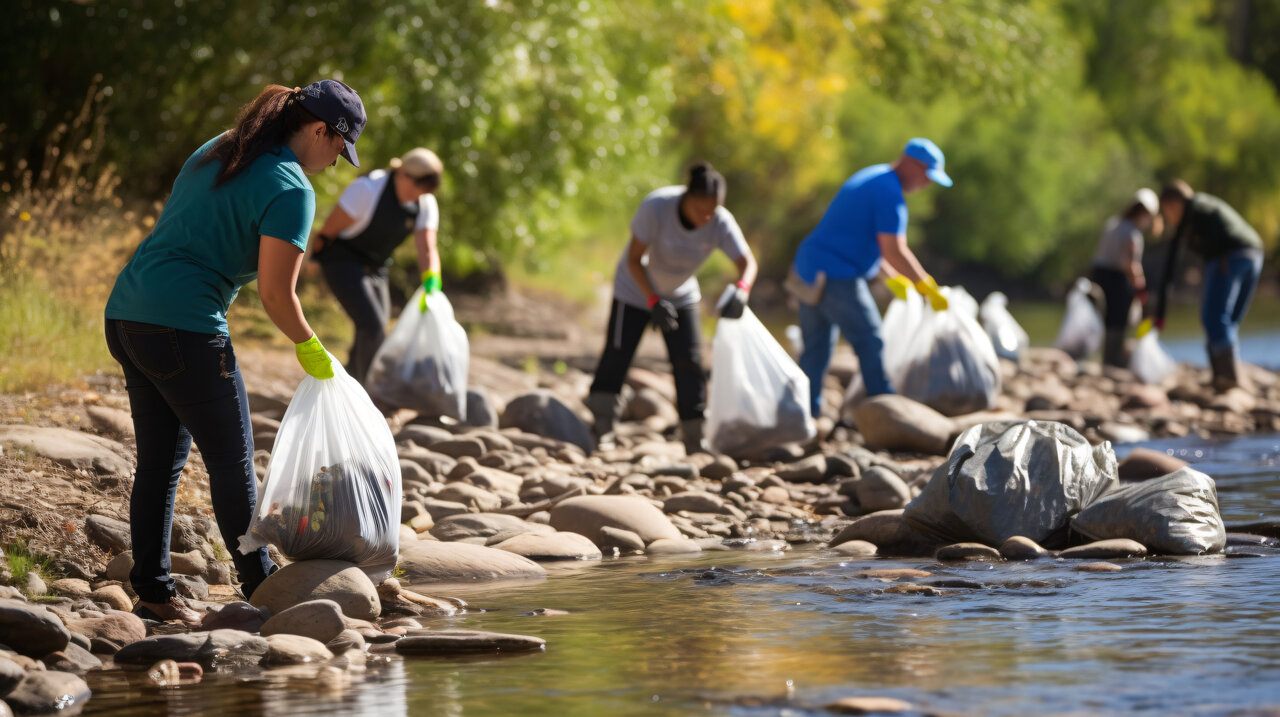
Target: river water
750 633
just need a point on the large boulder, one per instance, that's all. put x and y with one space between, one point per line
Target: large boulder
73 449
896 423
337 580
588 514
542 414
31 630
320 620
553 546
435 561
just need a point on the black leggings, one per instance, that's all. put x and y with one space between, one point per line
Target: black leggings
1118 293
363 294
684 349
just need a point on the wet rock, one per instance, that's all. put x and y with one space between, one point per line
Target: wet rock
1105 550
890 533
319 620
11 673
968 551
673 546
74 449
897 423
483 525
114 596
471 496
856 549
337 580
542 414
73 658
868 706
881 489
288 649
431 561
200 647
1102 567
810 470
912 589
554 546
117 626
48 692
624 540
586 515
31 630
461 642
1144 463
1022 548
346 640
891 574
107 533
238 615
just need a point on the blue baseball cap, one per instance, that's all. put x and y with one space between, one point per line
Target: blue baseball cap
928 154
338 106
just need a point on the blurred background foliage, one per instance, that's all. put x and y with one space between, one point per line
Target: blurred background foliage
554 117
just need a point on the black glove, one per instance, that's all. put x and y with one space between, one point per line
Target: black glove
665 316
734 306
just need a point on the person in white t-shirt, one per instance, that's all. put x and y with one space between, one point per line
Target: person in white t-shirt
374 215
673 232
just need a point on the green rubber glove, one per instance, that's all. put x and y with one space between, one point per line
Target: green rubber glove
430 285
314 359
929 288
898 285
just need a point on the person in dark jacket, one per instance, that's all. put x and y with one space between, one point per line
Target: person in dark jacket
1117 268
1232 253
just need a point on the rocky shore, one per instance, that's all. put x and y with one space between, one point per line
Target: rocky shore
501 497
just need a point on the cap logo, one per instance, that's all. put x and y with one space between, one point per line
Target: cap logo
341 125
312 90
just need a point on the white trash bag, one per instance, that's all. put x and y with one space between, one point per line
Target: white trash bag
1007 336
1081 332
1150 362
332 490
758 397
423 364
947 362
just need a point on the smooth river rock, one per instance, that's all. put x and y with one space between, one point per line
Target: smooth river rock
881 489
434 561
48 692
1144 464
1105 550
542 414
336 580
484 525
200 647
588 514
285 649
320 620
73 449
553 546
459 642
30 629
968 551
890 533
856 549
1022 548
896 423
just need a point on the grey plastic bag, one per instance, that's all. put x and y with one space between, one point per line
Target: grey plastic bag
1175 514
1010 478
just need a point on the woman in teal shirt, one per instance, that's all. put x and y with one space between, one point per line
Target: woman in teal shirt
241 209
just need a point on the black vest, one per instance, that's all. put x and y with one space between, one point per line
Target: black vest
389 226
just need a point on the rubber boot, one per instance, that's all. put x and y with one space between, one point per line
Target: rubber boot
1113 353
1222 362
605 408
691 434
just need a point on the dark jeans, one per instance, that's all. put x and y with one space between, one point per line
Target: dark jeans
1229 282
362 291
846 307
1118 293
684 349
183 385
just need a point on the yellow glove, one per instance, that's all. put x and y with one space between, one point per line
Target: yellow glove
430 285
1144 328
314 359
898 285
929 288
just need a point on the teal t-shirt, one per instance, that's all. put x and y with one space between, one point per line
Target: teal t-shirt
205 245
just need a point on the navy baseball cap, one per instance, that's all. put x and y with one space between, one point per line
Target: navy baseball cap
338 106
928 154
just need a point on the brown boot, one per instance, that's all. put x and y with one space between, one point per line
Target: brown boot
175 608
1226 371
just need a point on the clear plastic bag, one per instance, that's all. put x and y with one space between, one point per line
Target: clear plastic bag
423 364
758 397
1150 362
333 484
1007 336
947 361
1081 332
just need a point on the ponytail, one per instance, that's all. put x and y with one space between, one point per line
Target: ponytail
705 181
263 125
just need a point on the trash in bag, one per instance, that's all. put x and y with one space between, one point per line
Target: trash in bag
1009 478
1149 361
1081 331
423 363
948 362
758 397
1175 514
1008 338
333 484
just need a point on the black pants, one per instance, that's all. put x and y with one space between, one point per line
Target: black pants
684 349
183 385
1118 293
362 292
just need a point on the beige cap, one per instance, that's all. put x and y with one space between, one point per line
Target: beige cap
419 162
1148 199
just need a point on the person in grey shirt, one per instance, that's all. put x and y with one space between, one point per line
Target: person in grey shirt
1117 269
673 233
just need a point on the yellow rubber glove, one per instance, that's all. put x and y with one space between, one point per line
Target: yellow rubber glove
929 288
898 285
1144 328
314 359
430 285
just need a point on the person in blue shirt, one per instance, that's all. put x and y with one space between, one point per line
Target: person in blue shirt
863 232
241 209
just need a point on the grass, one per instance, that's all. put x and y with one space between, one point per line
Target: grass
44 338
23 562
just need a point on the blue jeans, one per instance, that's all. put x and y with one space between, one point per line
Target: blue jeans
1229 282
184 385
846 308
